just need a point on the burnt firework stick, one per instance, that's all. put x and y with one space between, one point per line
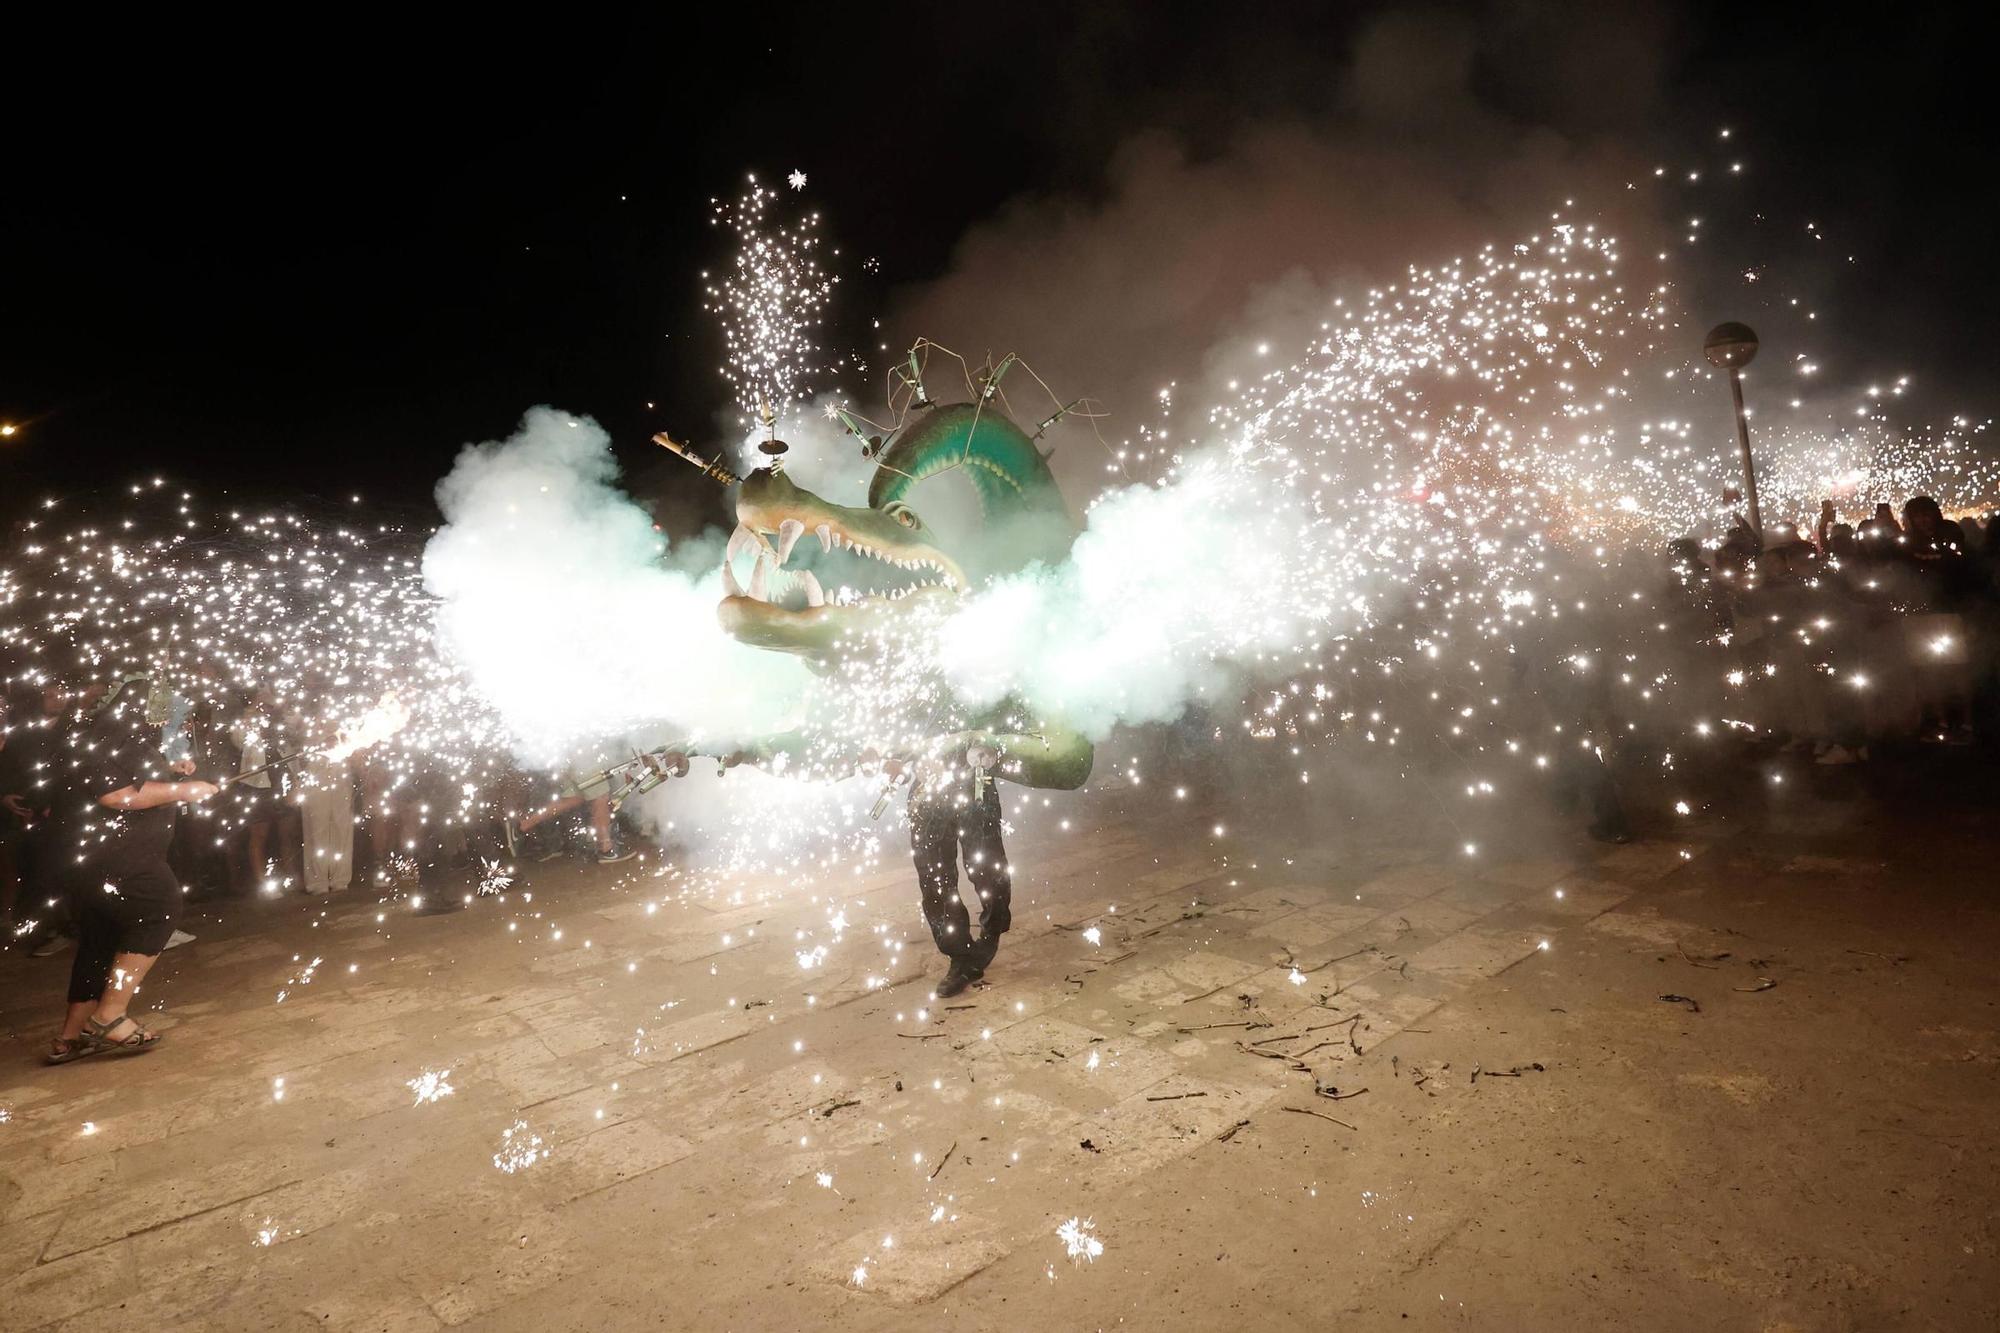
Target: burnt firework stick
714 471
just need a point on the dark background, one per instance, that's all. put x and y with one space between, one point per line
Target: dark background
312 257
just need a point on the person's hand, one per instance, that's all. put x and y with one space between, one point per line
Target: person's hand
198 790
184 767
18 807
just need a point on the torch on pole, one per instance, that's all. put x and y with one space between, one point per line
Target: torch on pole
1730 347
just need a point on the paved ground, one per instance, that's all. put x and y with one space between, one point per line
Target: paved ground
1316 1069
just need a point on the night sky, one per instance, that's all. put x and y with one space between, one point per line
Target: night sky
310 258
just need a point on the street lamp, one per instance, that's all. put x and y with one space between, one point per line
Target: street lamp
1730 347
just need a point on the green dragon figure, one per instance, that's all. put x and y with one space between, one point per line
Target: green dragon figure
954 806
1023 519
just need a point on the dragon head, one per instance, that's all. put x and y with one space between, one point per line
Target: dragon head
882 558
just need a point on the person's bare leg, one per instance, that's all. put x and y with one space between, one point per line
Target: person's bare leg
600 821
127 971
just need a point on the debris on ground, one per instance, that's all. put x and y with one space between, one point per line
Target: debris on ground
1317 1115
1512 1071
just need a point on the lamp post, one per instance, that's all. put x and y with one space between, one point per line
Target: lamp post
1730 347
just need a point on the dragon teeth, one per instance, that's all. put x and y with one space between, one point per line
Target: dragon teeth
760 579
825 534
730 587
789 533
814 595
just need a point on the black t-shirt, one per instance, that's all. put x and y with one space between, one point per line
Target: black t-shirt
107 840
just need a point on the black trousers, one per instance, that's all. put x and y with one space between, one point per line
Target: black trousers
138 918
947 825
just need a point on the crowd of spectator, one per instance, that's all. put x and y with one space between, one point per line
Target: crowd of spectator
286 819
1854 635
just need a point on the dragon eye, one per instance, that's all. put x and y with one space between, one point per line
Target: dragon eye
903 516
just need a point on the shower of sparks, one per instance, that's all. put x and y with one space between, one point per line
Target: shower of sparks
388 716
797 180
1079 1240
1491 454
315 637
771 303
430 1086
520 1148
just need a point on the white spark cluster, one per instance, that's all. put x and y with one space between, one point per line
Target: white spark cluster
1079 1240
520 1148
771 301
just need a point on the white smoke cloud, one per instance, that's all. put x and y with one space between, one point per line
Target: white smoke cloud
571 614
808 829
1169 597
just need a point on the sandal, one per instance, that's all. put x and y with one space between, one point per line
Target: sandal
98 1036
62 1050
